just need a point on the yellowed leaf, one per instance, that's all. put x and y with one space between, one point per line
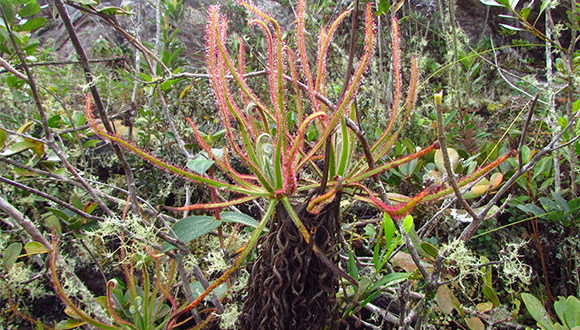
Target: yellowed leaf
444 299
484 307
404 260
480 190
496 179
475 323
35 247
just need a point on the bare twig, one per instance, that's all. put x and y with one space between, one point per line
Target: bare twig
525 131
51 63
98 102
446 162
53 199
11 69
49 137
550 147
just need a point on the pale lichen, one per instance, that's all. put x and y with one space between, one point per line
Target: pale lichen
230 316
461 259
232 312
513 268
20 278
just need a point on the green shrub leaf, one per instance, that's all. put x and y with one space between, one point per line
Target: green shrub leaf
390 279
491 295
190 228
29 10
35 247
11 253
537 311
240 218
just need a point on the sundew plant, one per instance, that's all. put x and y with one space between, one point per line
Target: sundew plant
297 264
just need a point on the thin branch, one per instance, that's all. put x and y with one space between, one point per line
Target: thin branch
446 162
412 251
500 71
11 69
31 229
53 199
98 102
48 63
49 138
386 315
24 222
474 225
525 131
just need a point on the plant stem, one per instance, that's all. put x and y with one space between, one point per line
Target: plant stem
446 162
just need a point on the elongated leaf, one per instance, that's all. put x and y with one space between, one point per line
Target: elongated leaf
511 27
549 205
390 279
352 269
69 324
190 228
389 227
474 323
369 298
430 249
53 224
112 10
91 143
533 209
2 138
484 307
562 204
537 311
58 213
240 218
576 104
543 6
38 147
25 127
449 118
376 255
87 2
491 3
408 222
18 147
572 312
491 295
